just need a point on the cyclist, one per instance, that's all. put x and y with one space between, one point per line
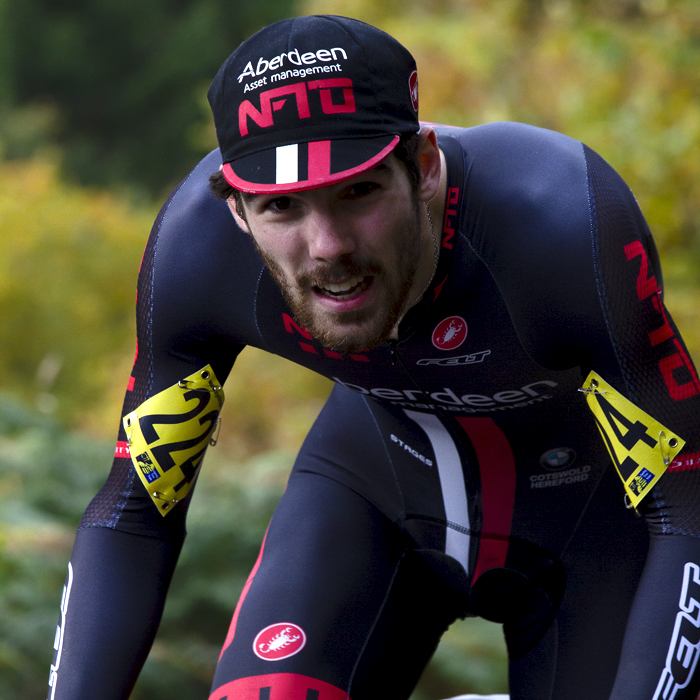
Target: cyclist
510 393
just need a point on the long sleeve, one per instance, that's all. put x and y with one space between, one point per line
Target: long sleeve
112 603
125 550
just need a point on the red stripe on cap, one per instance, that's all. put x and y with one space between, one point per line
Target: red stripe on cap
319 160
260 188
497 471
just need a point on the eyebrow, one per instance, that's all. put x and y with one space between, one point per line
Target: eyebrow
382 166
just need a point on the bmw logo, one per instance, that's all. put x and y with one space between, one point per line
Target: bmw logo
558 459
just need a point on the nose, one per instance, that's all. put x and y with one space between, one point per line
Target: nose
328 237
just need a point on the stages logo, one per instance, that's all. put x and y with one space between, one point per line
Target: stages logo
415 453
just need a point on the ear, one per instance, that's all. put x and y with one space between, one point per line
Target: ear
239 219
430 164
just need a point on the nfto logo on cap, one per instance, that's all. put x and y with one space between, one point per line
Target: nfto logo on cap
279 641
274 100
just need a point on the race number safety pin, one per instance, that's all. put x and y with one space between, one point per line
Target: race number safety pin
169 433
640 447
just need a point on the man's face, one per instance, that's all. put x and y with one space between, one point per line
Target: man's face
345 256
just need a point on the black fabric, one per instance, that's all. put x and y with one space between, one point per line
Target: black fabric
113 601
674 616
478 460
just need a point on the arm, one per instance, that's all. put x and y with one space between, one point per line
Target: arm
602 292
125 551
662 640
112 604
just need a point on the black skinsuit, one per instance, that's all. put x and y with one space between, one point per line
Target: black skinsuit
456 471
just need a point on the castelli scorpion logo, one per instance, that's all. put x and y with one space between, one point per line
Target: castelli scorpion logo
450 333
279 641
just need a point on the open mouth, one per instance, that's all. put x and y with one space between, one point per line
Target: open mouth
344 290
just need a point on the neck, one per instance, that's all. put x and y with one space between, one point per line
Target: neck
437 203
431 229
431 218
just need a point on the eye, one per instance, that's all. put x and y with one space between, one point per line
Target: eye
362 189
279 204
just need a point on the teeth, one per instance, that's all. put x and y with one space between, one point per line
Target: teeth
344 287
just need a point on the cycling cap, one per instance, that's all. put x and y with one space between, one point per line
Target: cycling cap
310 101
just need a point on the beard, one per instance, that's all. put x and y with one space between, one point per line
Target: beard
364 328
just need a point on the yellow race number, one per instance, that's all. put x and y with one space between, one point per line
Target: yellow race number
640 447
169 433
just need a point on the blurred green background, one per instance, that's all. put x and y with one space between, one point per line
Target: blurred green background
103 110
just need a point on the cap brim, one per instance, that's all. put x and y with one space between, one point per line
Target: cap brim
305 166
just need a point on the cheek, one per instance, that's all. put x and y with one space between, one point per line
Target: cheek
405 238
389 235
276 248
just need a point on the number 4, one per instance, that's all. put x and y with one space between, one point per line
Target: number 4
634 431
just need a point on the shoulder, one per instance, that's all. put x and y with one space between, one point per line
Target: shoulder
200 271
526 213
525 191
513 135
505 141
195 231
191 211
523 170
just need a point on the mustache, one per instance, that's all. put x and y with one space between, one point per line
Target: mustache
331 273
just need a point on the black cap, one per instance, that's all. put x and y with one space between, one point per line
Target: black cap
310 101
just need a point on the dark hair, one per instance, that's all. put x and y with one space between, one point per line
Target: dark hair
220 189
406 151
